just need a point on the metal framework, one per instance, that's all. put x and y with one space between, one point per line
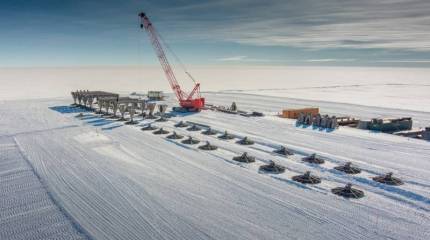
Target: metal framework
193 100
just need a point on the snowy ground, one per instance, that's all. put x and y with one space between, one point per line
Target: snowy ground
27 210
392 95
274 105
107 180
398 88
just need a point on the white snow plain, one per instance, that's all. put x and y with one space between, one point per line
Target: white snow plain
63 177
114 181
402 88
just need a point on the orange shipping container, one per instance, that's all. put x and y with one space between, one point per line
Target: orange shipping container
294 113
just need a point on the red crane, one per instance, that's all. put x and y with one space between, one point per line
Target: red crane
192 101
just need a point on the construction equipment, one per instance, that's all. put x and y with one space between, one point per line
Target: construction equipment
313 158
208 147
272 167
348 191
194 128
283 151
307 178
189 102
122 110
155 96
174 135
245 158
389 125
348 168
131 111
190 140
226 136
209 131
245 141
160 132
294 113
151 107
388 179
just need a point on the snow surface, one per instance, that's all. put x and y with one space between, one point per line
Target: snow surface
114 181
400 88
392 95
27 210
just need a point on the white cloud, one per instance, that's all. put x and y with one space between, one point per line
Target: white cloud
405 61
243 59
231 59
331 60
388 24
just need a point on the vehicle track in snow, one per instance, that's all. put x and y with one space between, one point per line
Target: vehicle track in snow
28 210
122 183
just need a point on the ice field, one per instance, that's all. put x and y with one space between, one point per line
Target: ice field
62 176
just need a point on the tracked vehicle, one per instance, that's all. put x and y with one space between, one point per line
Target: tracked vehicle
190 141
348 168
149 127
226 136
174 135
208 147
283 151
245 158
245 141
307 178
388 179
160 131
313 159
348 191
272 167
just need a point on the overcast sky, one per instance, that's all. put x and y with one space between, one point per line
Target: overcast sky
269 32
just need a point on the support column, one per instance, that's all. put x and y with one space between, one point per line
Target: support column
115 108
122 109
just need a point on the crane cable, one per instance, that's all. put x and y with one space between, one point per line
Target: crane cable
182 65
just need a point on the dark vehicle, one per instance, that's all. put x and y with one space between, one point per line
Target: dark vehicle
226 136
160 132
348 168
348 191
307 178
388 179
245 141
208 147
245 158
190 140
149 127
174 135
313 159
272 167
283 151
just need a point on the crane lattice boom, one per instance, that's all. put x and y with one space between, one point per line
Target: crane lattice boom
187 101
